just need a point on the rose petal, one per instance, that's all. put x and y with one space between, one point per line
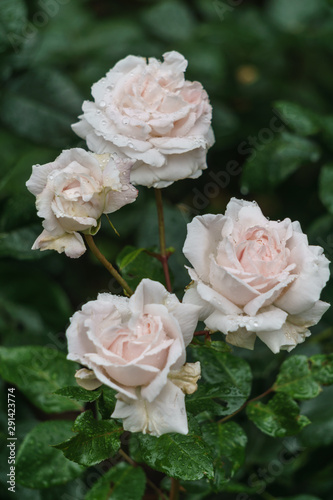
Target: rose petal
71 244
165 414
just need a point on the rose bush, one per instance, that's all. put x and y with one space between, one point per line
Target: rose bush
73 192
137 346
148 112
254 277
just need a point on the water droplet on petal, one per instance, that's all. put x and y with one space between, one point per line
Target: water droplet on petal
102 104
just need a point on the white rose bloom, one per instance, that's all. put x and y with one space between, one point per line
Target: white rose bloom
148 112
73 192
254 277
133 345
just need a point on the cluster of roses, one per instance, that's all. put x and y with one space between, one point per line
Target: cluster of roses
252 277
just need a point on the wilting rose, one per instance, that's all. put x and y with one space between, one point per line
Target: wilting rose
73 192
254 277
137 346
148 112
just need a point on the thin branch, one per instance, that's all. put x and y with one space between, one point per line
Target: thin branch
161 230
174 492
228 417
92 245
134 464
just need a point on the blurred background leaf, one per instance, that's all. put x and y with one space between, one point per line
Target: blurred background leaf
267 67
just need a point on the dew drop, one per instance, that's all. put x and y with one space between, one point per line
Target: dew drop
125 121
102 104
130 145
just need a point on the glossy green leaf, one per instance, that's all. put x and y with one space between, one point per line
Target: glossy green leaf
95 440
47 103
326 186
135 264
38 464
274 161
181 456
299 119
279 417
228 442
321 366
228 380
79 394
296 379
107 402
121 482
38 372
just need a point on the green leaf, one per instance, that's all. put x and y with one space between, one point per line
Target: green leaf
79 394
279 417
47 103
135 264
320 433
107 402
38 372
321 366
180 456
227 378
96 440
299 119
296 15
17 244
296 379
214 400
13 18
276 160
122 482
38 464
228 442
170 20
326 186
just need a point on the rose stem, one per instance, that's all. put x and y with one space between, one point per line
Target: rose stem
134 464
245 404
92 245
161 229
174 492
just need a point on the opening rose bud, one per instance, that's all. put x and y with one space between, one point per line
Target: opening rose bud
148 112
254 277
137 346
73 192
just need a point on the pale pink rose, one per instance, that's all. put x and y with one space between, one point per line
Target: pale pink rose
147 111
73 192
254 277
137 346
